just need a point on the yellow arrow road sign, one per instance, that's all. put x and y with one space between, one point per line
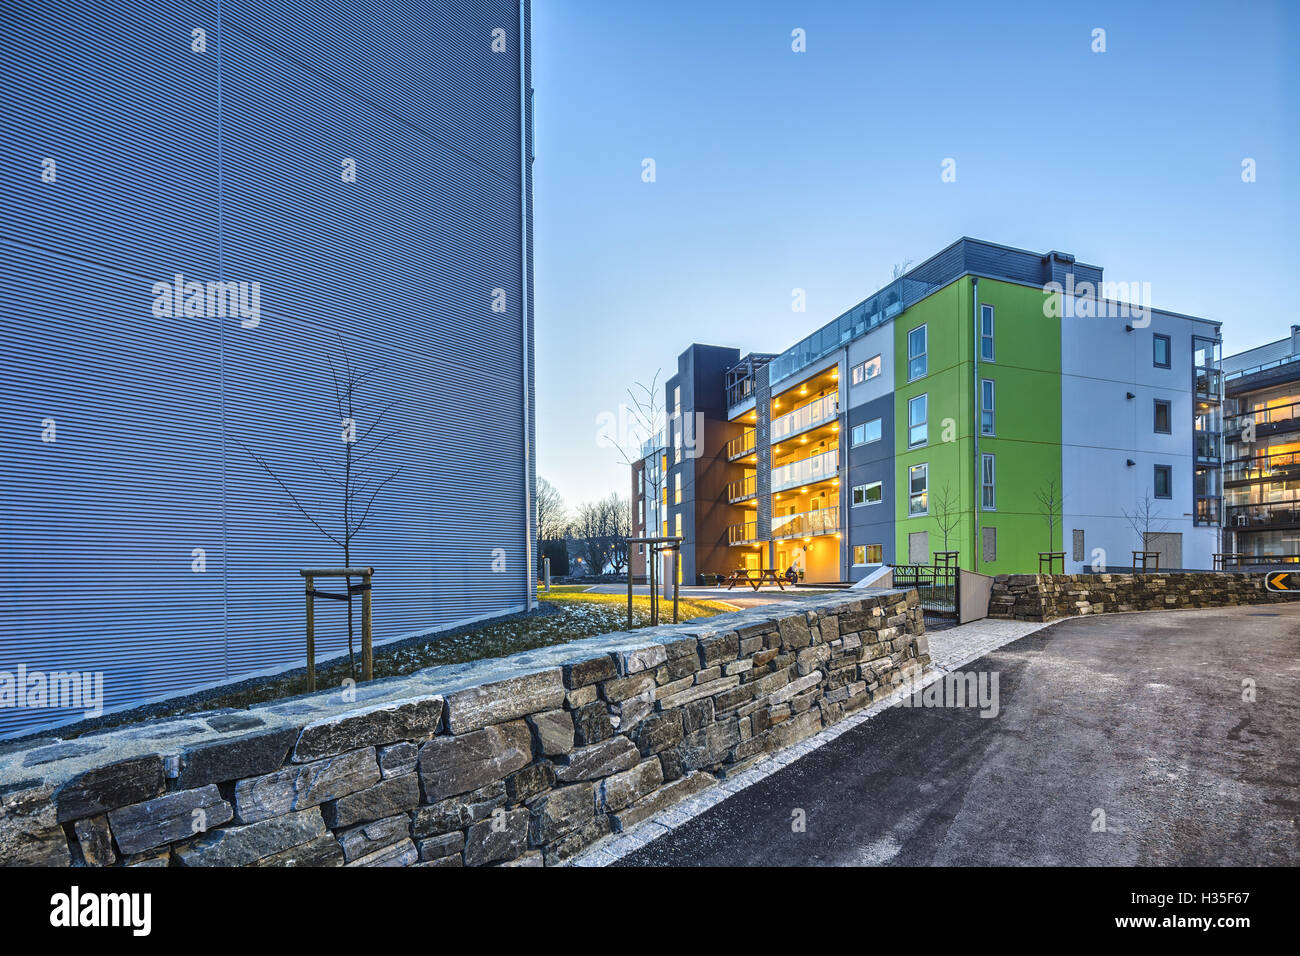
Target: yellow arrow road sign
1278 581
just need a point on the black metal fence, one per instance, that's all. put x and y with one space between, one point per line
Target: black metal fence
936 585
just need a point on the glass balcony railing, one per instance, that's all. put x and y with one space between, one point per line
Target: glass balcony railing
825 465
1276 415
818 412
807 524
742 445
1283 467
1209 384
742 489
1208 447
1274 515
745 533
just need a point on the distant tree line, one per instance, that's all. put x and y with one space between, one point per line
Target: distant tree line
594 534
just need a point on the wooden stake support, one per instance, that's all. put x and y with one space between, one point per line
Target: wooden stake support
367 651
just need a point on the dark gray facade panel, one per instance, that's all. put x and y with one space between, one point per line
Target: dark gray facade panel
871 524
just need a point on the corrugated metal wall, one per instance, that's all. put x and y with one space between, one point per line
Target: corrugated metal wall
227 165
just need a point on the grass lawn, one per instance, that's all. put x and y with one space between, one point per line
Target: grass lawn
564 616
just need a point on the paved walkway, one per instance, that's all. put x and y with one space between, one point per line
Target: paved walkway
1119 739
950 649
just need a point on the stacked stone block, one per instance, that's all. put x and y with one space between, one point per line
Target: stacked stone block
1046 597
521 761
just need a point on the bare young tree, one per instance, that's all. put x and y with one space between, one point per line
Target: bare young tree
945 506
647 423
358 486
1144 520
900 268
1050 498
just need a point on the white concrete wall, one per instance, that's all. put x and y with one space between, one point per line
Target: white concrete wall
1101 429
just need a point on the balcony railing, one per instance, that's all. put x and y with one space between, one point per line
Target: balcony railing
1209 510
807 524
746 533
1276 415
1208 447
820 411
816 468
1277 515
1209 384
742 489
1283 467
742 445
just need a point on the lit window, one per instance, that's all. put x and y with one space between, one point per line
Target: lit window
875 554
917 490
859 554
917 412
677 488
916 360
679 524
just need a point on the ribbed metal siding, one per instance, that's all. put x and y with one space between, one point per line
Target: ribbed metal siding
97 529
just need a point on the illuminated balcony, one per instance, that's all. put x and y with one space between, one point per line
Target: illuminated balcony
823 410
807 524
806 471
742 445
742 490
745 533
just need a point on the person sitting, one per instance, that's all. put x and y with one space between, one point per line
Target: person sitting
791 574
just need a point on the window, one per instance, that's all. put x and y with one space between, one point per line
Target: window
677 400
916 364
1163 424
986 333
640 481
986 407
677 488
867 432
1160 351
866 371
917 431
917 491
987 499
875 554
1164 481
859 555
868 494
679 524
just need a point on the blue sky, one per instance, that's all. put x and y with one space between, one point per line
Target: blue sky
820 170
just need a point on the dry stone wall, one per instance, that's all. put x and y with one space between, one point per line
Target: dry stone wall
1046 597
519 761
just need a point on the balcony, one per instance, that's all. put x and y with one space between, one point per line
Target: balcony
806 471
817 412
1209 385
742 445
1281 514
1208 447
742 490
807 524
1282 467
1267 420
745 533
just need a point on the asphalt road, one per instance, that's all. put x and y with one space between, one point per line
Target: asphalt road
1138 715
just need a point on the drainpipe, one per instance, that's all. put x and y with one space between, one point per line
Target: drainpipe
975 364
525 95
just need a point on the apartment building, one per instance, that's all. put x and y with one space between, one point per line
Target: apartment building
1261 430
955 410
369 191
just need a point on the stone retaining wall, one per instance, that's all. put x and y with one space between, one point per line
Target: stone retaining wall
1046 597
520 761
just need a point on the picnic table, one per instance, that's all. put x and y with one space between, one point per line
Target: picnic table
754 577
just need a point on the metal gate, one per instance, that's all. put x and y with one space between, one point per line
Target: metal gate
936 585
